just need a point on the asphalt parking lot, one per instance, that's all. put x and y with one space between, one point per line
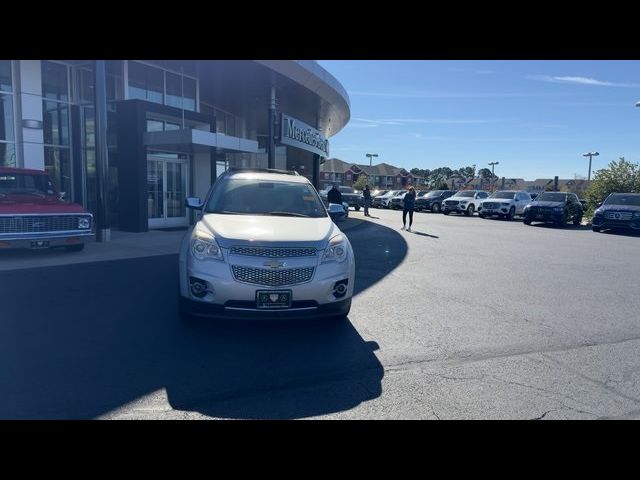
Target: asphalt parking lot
464 318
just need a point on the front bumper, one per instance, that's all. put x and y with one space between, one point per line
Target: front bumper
45 240
454 208
242 310
546 217
633 224
489 212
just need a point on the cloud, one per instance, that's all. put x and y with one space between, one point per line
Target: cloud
582 81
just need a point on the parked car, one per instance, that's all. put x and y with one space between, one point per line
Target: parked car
505 204
382 201
338 212
397 202
350 196
33 214
375 193
618 211
556 207
433 200
466 201
264 247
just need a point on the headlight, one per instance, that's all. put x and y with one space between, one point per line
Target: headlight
84 223
464 202
636 215
205 247
336 251
505 204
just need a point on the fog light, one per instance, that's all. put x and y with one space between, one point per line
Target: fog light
198 287
340 288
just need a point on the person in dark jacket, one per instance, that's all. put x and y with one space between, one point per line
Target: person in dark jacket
334 195
366 193
409 202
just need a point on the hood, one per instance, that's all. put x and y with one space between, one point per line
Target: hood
536 203
618 208
497 200
231 230
24 204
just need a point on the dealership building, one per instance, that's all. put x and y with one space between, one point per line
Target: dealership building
132 139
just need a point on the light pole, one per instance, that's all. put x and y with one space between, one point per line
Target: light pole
590 154
371 155
493 182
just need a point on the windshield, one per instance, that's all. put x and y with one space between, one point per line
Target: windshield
346 190
622 199
27 184
551 197
506 195
466 194
244 196
435 193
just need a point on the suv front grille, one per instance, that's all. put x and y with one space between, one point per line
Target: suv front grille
273 252
38 224
451 202
618 215
271 277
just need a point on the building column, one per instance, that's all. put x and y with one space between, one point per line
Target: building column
271 144
103 227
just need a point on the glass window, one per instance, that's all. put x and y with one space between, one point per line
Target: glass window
220 122
207 109
174 90
171 126
189 94
155 125
7 155
57 163
231 125
56 123
6 84
146 83
55 85
85 84
6 117
89 139
115 82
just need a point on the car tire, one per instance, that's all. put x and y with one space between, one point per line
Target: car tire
75 248
595 229
446 212
435 208
470 210
511 214
578 220
526 221
482 215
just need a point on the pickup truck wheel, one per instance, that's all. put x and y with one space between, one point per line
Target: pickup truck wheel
435 208
75 248
470 211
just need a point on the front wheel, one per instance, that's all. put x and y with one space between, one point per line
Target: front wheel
512 212
446 212
435 208
526 221
482 215
595 229
470 211
563 221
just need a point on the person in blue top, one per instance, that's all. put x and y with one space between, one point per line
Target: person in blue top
408 201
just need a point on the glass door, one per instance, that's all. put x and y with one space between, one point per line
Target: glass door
167 181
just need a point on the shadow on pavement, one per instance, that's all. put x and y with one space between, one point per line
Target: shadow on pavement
423 234
82 340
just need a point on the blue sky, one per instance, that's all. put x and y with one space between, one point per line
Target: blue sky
536 118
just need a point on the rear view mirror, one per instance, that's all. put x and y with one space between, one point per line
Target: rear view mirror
194 202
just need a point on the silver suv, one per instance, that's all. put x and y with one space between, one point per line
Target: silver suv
264 246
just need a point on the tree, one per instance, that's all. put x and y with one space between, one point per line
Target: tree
361 182
621 176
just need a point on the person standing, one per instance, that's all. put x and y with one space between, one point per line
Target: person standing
334 195
408 202
367 200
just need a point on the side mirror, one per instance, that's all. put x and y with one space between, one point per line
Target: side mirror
194 202
599 204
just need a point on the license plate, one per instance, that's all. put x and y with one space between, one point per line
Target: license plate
273 298
40 244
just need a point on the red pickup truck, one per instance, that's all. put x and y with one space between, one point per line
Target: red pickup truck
34 215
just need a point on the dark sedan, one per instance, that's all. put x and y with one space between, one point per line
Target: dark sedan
619 210
554 207
433 200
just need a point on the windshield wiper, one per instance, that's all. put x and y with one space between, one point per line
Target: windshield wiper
286 214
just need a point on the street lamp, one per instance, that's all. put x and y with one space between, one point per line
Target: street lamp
371 155
590 154
493 182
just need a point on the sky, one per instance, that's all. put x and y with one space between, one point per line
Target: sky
536 118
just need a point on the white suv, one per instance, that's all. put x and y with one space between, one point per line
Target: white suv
264 246
465 201
504 204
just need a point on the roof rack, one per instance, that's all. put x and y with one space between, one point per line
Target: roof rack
269 170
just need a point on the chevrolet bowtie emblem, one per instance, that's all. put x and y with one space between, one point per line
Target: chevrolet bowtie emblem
274 264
